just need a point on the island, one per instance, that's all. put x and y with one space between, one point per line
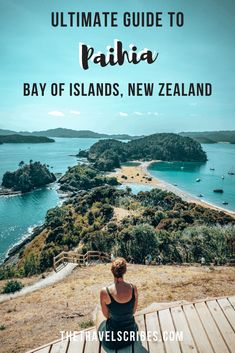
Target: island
28 177
15 138
212 136
68 133
109 154
83 177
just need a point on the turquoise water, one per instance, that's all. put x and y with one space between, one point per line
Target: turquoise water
19 214
221 158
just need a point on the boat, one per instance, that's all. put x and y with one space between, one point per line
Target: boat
181 168
212 168
200 195
225 203
222 177
198 179
219 190
231 173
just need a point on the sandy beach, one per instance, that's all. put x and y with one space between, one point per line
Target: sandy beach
139 174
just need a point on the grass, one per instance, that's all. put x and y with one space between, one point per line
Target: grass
38 317
86 324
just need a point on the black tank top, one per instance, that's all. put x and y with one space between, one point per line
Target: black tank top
121 315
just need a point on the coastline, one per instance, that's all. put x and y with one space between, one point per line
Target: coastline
141 175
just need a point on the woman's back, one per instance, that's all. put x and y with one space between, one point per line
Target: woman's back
121 308
118 302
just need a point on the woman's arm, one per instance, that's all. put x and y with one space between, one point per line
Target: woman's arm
103 299
136 299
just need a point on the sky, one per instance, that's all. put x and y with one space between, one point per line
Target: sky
201 51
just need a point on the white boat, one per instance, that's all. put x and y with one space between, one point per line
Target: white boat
198 179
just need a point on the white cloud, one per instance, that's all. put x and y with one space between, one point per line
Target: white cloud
75 112
147 113
123 114
56 113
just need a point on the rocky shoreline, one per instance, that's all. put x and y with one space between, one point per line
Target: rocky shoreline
13 254
8 192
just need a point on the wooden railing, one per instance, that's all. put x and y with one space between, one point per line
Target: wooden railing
66 257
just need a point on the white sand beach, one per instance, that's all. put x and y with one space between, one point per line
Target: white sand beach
139 174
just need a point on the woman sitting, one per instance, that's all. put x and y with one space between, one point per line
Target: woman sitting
118 304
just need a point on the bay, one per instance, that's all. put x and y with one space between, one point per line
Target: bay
213 175
20 214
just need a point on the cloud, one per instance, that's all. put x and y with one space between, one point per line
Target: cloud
56 113
123 114
147 113
75 112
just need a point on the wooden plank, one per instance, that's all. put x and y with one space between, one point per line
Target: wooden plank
60 347
152 325
76 346
197 330
228 311
212 331
181 325
232 301
222 323
141 326
91 346
42 350
167 326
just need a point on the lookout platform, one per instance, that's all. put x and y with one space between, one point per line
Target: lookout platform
206 326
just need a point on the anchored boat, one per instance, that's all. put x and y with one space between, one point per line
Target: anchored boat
219 190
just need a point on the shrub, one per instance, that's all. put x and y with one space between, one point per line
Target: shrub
86 324
12 286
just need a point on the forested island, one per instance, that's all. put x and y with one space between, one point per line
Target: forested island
83 177
24 139
109 154
212 136
68 133
28 177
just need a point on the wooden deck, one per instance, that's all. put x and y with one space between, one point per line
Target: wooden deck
205 326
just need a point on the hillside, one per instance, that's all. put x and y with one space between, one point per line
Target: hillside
68 133
212 136
68 305
154 222
24 139
109 154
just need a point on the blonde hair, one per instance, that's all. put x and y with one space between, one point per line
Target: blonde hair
118 267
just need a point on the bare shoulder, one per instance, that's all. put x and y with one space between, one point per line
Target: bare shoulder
104 297
103 292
